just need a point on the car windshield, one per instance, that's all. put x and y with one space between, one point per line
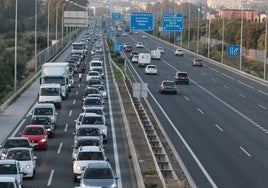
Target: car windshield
92 120
33 131
43 111
96 173
86 143
16 143
41 121
87 132
169 84
20 155
92 102
182 74
90 156
8 169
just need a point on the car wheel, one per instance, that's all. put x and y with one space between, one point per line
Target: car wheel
75 178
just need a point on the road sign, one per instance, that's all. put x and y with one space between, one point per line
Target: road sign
118 47
116 16
140 89
233 50
172 22
141 21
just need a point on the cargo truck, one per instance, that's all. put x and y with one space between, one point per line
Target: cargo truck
56 73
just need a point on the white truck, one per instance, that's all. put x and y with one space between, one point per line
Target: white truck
56 73
144 59
50 93
79 48
155 54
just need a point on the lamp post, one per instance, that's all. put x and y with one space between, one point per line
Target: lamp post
189 27
198 28
265 47
241 35
16 39
48 14
209 23
35 37
222 42
62 20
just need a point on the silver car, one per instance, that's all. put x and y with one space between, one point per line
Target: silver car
11 168
99 174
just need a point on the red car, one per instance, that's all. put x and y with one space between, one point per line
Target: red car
37 135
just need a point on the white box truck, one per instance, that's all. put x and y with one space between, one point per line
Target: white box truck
56 73
144 59
155 54
50 93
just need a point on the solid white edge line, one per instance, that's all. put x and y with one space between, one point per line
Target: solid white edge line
50 177
18 128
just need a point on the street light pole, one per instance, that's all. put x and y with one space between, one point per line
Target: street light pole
16 39
265 47
35 37
222 42
189 26
241 35
48 40
198 28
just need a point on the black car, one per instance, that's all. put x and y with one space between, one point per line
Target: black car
133 53
128 48
47 122
181 77
168 86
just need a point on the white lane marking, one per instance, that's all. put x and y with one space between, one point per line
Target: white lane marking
242 95
59 149
18 128
226 86
74 101
186 98
228 76
263 107
50 177
200 110
219 127
243 83
215 70
76 93
213 80
203 74
245 151
66 128
263 92
70 113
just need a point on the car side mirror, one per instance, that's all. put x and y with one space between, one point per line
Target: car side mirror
35 158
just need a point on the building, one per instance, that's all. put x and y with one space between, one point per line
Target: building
250 15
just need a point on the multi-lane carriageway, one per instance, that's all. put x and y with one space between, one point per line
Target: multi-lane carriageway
54 165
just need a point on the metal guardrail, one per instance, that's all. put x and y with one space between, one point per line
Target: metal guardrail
41 58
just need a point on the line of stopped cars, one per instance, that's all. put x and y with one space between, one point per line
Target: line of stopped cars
91 167
18 159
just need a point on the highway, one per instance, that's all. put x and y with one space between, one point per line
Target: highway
217 124
54 165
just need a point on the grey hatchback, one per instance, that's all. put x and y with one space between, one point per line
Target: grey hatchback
168 86
181 77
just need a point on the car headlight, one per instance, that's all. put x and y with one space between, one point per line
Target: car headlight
43 140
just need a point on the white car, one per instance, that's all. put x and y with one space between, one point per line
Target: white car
102 90
144 36
161 49
135 59
179 52
92 74
151 69
26 160
125 34
84 155
139 45
11 168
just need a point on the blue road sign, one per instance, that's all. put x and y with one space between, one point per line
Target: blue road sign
233 50
172 22
118 47
141 21
116 16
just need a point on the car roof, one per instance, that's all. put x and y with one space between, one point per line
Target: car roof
91 115
90 149
88 138
7 179
98 164
17 138
34 126
19 148
181 72
44 105
9 161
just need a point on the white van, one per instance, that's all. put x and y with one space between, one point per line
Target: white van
155 54
144 59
